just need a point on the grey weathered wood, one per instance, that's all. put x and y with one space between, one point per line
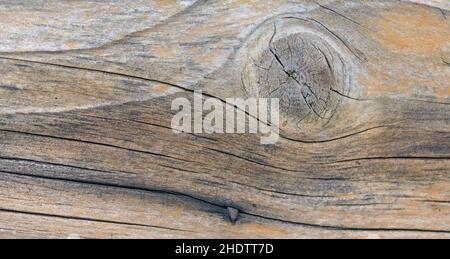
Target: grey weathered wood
86 148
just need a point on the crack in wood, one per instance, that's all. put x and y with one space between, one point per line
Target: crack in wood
97 143
90 220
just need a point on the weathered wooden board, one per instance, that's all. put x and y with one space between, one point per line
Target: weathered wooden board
86 147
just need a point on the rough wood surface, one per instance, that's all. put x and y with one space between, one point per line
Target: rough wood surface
86 148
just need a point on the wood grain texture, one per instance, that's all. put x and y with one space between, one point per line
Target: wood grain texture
86 148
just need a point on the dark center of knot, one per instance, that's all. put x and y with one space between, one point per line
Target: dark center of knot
306 74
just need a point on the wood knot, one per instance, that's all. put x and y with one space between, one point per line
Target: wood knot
305 72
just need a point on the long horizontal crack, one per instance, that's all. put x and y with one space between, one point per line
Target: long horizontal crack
342 228
89 219
326 227
387 158
146 152
60 165
96 143
149 124
135 77
428 101
333 139
252 161
281 192
118 186
347 96
435 201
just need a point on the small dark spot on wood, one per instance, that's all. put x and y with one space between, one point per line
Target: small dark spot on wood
232 214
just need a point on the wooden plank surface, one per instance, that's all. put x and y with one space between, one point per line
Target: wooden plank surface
87 149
